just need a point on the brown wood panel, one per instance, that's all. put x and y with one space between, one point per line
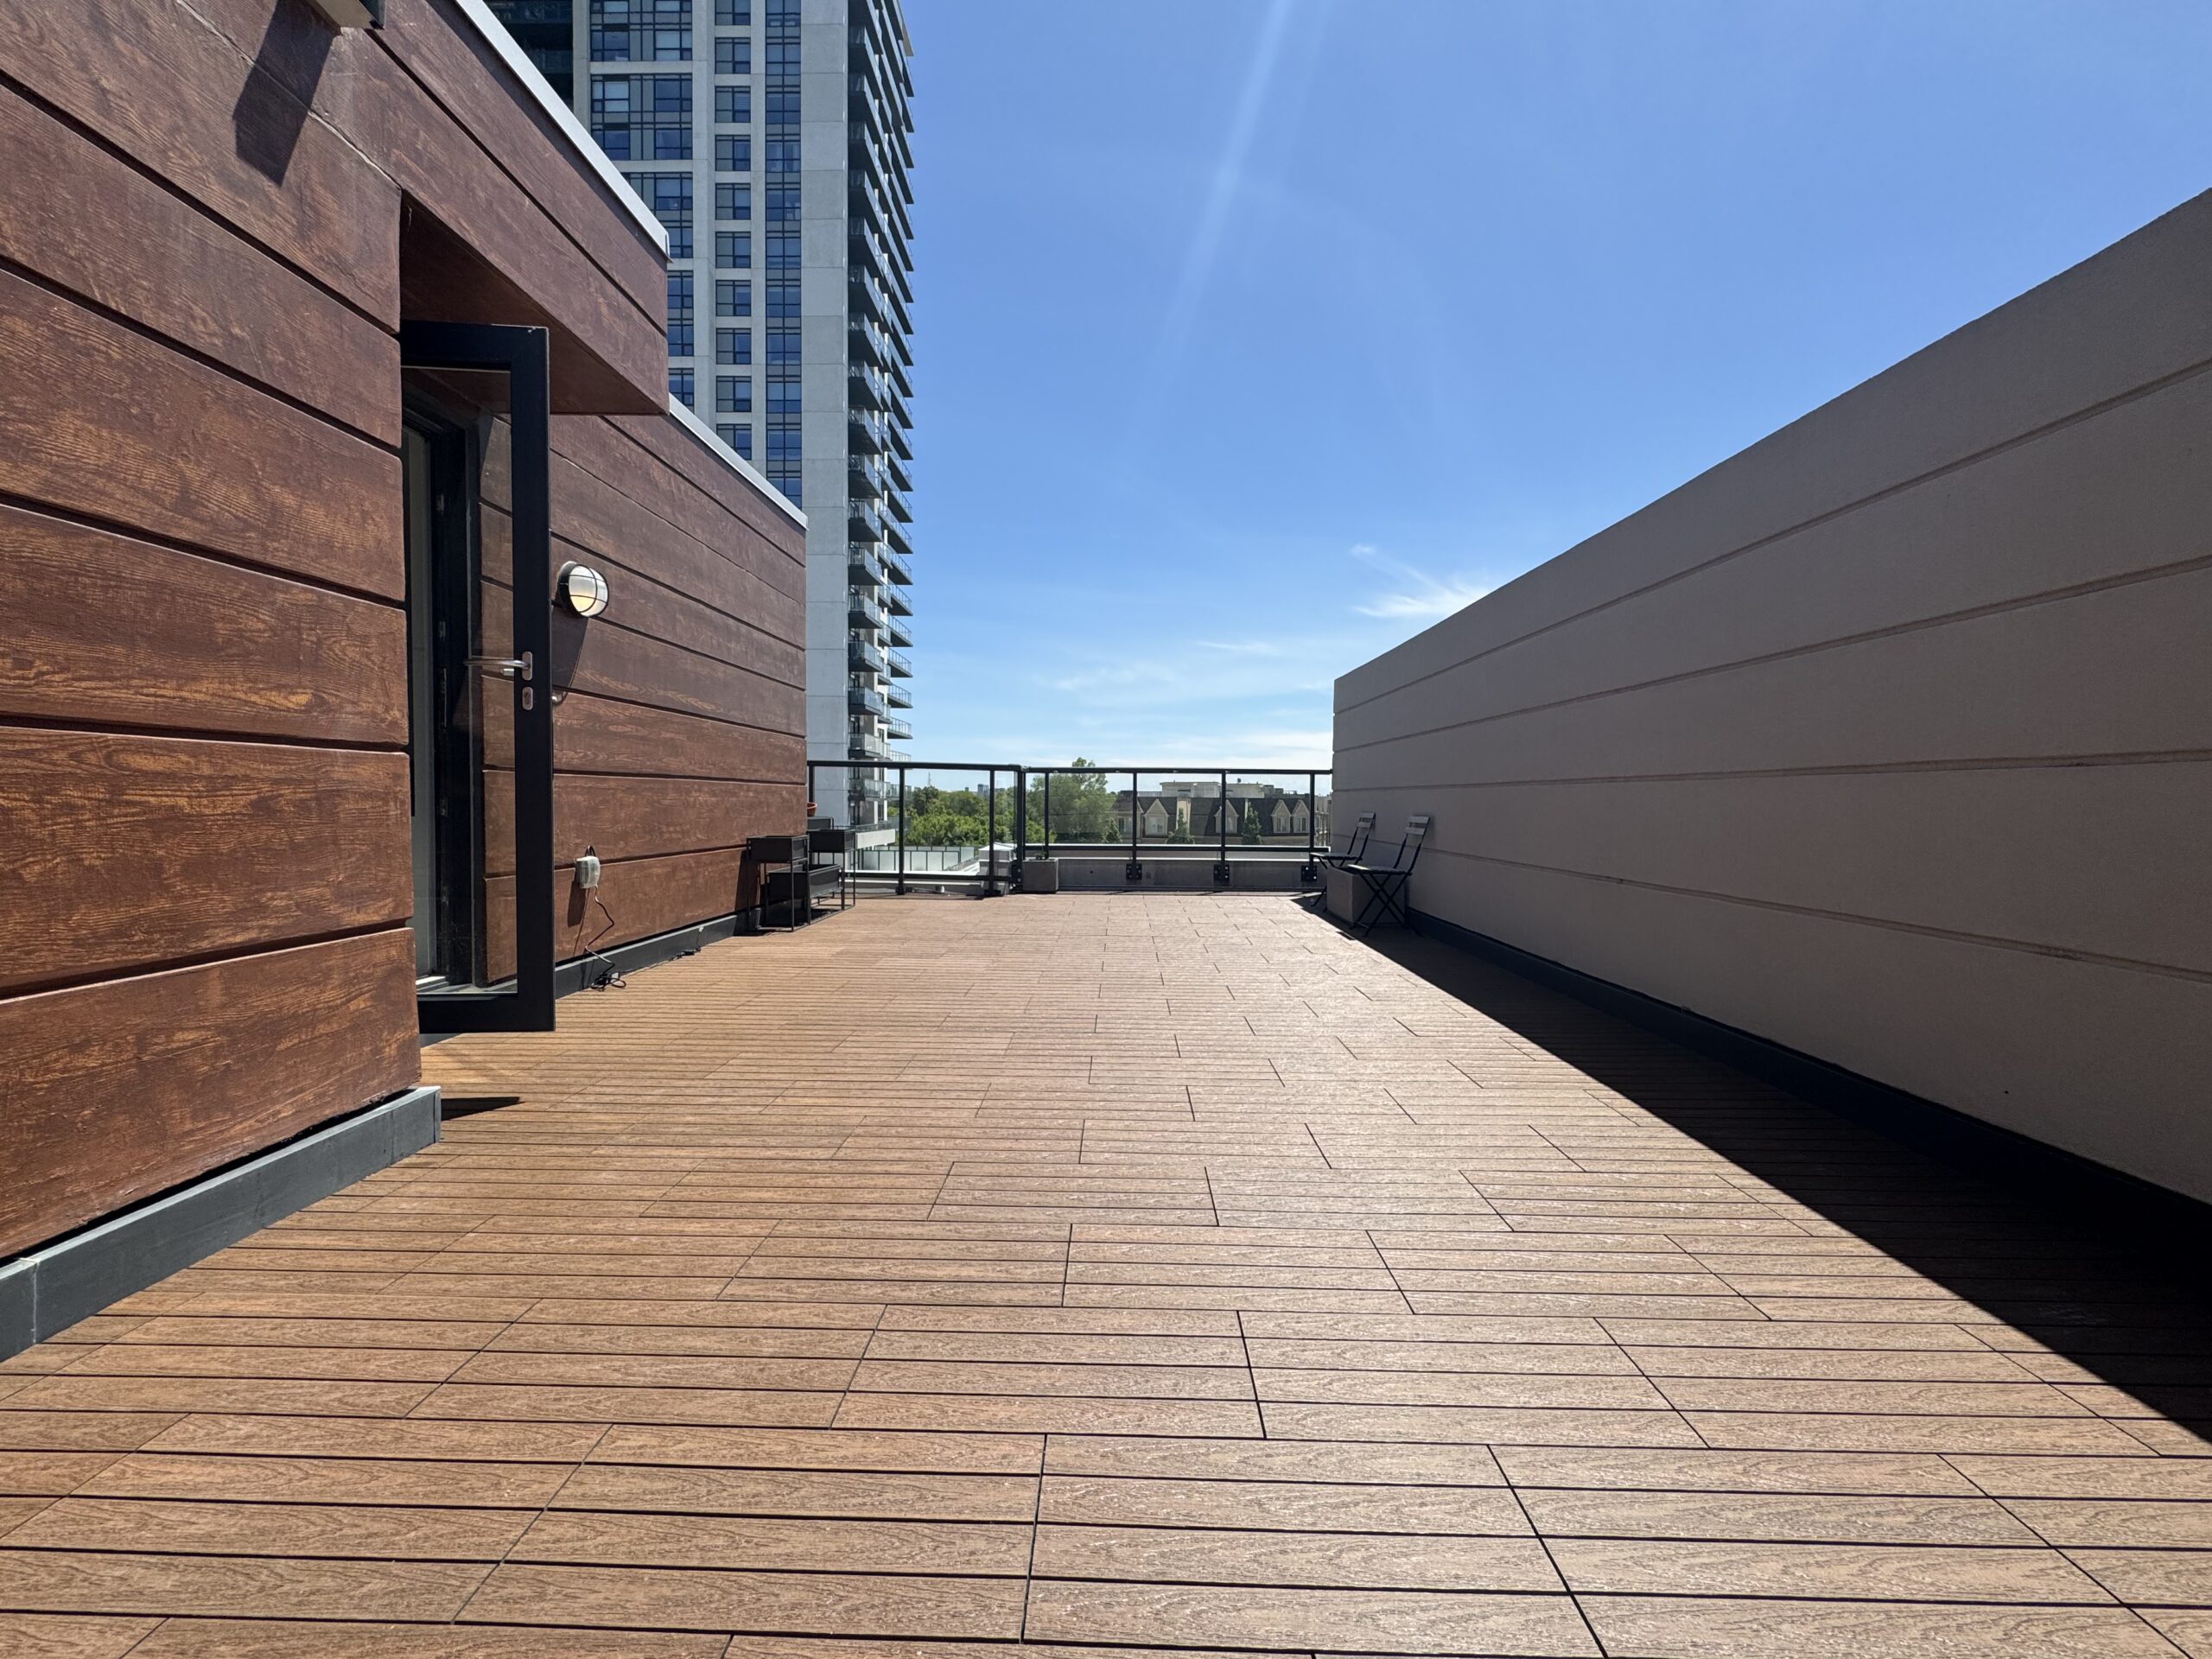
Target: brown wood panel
172 1074
725 513
610 493
598 734
97 419
453 64
130 851
681 451
615 663
152 79
234 302
647 896
635 817
761 639
107 629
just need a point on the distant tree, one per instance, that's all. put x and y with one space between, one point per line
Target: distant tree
1083 805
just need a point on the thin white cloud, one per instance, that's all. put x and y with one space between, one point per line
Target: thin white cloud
1418 594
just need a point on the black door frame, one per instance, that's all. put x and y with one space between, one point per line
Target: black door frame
525 1002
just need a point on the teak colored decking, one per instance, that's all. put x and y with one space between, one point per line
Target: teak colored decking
1158 1271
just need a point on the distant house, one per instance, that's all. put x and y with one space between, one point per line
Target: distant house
1194 812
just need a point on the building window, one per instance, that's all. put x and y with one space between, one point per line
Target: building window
732 104
669 194
683 386
783 392
733 202
734 56
783 456
783 155
783 296
642 117
782 250
679 313
783 14
782 202
733 394
733 299
733 346
782 59
783 345
733 249
733 14
783 107
733 152
641 30
738 435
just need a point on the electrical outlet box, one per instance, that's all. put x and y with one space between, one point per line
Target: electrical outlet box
588 871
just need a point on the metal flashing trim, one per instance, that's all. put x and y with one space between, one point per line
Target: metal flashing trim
737 463
51 1288
496 36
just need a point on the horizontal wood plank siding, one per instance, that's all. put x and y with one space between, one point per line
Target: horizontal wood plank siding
118 1091
203 701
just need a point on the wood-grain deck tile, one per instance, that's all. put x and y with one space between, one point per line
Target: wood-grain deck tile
1167 1273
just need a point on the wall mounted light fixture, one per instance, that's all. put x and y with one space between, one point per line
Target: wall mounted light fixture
579 590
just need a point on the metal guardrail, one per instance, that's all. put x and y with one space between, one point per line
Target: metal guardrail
1025 778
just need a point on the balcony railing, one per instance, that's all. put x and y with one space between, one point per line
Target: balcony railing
867 702
897 730
1106 828
862 569
896 567
896 631
863 658
896 695
896 538
864 523
862 612
898 666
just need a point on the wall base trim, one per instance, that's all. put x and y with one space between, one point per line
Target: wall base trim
576 973
51 1288
2106 1197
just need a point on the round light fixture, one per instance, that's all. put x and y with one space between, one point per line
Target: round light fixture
580 590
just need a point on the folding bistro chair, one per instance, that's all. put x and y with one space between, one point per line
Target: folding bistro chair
1387 883
1362 827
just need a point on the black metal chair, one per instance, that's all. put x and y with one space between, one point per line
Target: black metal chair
1387 883
1362 827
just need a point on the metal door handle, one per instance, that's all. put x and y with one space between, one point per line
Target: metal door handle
506 667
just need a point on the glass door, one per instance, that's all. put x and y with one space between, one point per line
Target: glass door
480 741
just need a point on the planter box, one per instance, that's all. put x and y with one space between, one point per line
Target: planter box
1039 875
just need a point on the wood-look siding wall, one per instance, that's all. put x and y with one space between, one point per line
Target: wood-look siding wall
213 221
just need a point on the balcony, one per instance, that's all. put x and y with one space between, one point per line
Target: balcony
863 658
895 540
866 389
899 472
898 632
897 730
862 569
896 569
897 666
862 700
896 695
863 522
864 434
895 600
899 512
864 480
860 745
863 611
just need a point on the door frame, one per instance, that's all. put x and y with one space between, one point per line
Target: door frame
525 1002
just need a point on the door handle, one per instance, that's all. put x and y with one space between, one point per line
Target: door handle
507 667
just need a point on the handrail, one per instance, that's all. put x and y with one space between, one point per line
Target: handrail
1022 774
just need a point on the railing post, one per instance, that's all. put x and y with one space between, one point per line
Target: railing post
1135 872
1312 871
901 886
1221 821
1020 821
1048 811
991 832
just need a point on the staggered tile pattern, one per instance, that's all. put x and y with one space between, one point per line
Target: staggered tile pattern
1101 1272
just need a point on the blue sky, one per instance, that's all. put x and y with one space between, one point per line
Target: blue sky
1254 335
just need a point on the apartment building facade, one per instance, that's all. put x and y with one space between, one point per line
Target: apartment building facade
771 138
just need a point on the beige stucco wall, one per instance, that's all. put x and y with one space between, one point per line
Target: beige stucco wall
1889 739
